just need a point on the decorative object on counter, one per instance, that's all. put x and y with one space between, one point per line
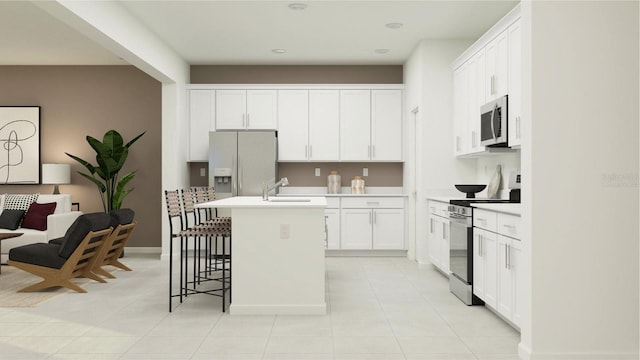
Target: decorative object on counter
357 185
494 184
333 183
471 190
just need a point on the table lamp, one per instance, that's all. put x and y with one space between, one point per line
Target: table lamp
56 174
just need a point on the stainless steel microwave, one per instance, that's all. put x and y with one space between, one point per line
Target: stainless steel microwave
493 123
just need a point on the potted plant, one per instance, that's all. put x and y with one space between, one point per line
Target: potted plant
111 154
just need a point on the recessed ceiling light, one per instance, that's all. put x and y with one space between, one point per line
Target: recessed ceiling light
278 51
394 25
381 51
297 6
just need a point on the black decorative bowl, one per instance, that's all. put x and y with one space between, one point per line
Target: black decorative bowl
471 190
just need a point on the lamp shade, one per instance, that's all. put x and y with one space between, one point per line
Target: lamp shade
56 173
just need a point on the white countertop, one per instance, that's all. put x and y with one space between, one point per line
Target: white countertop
378 191
344 195
257 202
508 208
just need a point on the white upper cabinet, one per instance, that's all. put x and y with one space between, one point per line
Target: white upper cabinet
386 125
515 85
293 125
324 125
496 68
246 109
371 125
489 69
355 125
201 121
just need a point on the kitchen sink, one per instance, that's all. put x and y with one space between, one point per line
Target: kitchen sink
288 199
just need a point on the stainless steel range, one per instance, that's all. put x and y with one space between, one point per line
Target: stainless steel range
461 248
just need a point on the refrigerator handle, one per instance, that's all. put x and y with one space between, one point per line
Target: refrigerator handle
234 189
240 175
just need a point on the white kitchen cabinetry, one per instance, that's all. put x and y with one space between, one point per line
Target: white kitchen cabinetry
201 121
497 259
515 85
489 69
372 223
438 237
371 125
355 125
293 125
485 283
324 125
496 67
246 110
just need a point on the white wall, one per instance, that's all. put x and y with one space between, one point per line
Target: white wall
580 164
509 163
429 86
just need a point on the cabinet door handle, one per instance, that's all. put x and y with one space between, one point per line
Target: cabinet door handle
509 258
373 151
248 120
306 151
518 122
243 120
444 231
431 226
473 139
373 203
506 256
493 84
481 241
310 151
369 151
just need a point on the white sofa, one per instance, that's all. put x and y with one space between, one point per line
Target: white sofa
57 224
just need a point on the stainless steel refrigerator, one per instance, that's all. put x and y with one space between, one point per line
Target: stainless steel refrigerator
240 162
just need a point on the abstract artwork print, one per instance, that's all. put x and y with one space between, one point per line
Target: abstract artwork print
19 144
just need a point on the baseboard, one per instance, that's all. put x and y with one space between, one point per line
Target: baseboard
237 309
526 354
341 252
143 250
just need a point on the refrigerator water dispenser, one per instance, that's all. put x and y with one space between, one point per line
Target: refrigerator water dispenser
222 180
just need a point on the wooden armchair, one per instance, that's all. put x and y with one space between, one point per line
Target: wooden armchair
75 257
124 224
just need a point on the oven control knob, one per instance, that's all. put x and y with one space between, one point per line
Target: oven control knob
463 211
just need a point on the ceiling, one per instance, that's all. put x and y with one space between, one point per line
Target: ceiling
246 32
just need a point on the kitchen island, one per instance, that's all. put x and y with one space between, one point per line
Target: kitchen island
277 252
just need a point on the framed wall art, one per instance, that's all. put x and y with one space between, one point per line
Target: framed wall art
19 144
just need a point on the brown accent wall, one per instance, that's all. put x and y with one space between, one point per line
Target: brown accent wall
77 101
303 174
296 74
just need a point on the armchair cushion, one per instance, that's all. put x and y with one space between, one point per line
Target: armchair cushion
10 219
38 254
80 228
123 216
36 216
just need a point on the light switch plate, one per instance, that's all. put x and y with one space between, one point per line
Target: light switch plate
365 171
284 231
317 171
203 172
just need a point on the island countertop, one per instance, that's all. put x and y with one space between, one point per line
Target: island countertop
273 202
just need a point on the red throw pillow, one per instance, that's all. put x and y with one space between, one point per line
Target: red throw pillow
36 216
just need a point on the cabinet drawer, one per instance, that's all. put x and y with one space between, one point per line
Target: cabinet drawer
485 219
439 208
373 202
333 202
509 225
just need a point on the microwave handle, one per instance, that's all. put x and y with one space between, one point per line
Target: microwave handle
493 113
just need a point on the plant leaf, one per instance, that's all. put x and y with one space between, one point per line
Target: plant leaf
113 140
134 140
98 183
84 163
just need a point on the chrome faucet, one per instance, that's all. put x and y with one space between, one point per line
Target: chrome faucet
266 188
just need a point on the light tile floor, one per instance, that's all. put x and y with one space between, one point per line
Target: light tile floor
379 308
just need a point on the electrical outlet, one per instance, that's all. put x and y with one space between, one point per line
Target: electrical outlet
317 171
365 171
284 231
203 172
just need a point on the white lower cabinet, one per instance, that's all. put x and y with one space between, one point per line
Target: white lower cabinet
438 237
509 255
372 223
485 283
497 275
